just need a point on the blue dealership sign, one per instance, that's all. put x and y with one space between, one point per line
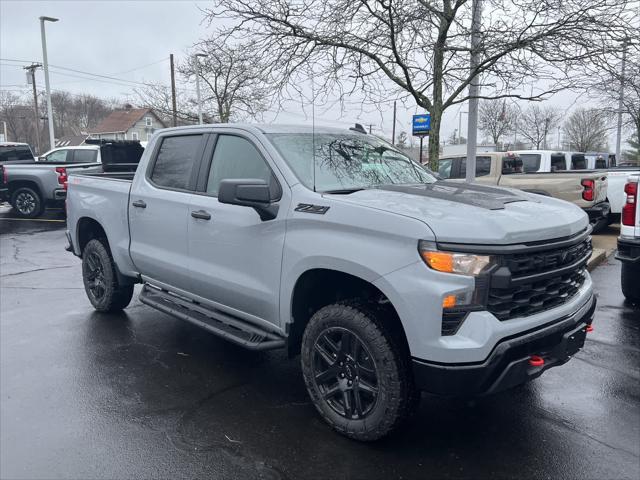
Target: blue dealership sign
421 124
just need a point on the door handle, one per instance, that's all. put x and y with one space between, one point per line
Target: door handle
202 214
139 204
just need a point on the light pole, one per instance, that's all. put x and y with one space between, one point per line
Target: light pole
460 125
474 91
195 59
621 98
52 139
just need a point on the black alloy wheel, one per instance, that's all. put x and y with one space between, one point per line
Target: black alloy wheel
345 373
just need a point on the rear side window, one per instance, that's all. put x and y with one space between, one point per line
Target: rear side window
175 161
236 158
530 162
15 152
601 163
511 164
85 156
558 162
578 162
483 167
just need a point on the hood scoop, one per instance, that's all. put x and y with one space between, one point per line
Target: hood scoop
476 195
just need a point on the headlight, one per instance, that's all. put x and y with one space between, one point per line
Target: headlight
450 262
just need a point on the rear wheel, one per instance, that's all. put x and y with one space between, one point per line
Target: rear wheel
27 202
630 280
356 373
101 280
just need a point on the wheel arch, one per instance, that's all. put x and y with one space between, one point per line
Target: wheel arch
318 287
88 229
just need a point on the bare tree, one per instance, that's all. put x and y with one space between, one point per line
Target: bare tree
420 50
586 129
233 80
17 112
536 122
158 97
402 140
496 119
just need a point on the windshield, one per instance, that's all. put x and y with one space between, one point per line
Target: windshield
347 162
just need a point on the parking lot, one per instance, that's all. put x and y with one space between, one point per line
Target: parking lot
87 395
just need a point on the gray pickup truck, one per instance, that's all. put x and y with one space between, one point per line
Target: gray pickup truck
32 185
334 245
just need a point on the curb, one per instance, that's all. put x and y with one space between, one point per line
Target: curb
598 256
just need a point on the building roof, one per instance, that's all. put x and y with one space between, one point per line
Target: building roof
71 140
122 120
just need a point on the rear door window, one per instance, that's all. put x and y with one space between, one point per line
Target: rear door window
558 162
530 162
511 164
85 156
174 164
483 167
578 162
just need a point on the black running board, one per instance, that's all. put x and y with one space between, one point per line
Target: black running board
216 322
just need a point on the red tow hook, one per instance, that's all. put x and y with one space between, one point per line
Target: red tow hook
589 328
536 361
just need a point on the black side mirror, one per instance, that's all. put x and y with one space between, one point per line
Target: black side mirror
249 193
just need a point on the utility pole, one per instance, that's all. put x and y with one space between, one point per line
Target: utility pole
197 65
370 125
393 130
474 91
174 114
52 138
621 99
31 69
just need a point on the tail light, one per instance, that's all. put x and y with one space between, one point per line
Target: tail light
62 177
588 193
629 208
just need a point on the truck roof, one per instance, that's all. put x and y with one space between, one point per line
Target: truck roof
271 128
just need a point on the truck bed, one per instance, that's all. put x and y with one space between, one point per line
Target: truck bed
104 197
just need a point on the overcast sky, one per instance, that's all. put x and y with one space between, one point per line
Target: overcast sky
132 40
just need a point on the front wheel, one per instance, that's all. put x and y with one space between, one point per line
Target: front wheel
630 279
356 374
101 280
27 202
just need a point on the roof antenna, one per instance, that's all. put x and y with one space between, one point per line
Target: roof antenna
313 130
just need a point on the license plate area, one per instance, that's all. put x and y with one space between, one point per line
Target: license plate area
574 340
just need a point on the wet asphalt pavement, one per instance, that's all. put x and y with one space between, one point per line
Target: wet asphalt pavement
85 395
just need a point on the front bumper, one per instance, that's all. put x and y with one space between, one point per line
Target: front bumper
508 363
628 250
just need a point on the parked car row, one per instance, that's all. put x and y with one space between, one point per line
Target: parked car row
561 175
31 184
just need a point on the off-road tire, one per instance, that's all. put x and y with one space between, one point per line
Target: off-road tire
397 397
27 202
630 280
101 280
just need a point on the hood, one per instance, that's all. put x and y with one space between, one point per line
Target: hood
472 213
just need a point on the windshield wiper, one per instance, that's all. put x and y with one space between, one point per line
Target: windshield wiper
344 191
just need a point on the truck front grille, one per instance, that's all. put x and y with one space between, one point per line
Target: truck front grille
535 296
521 264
